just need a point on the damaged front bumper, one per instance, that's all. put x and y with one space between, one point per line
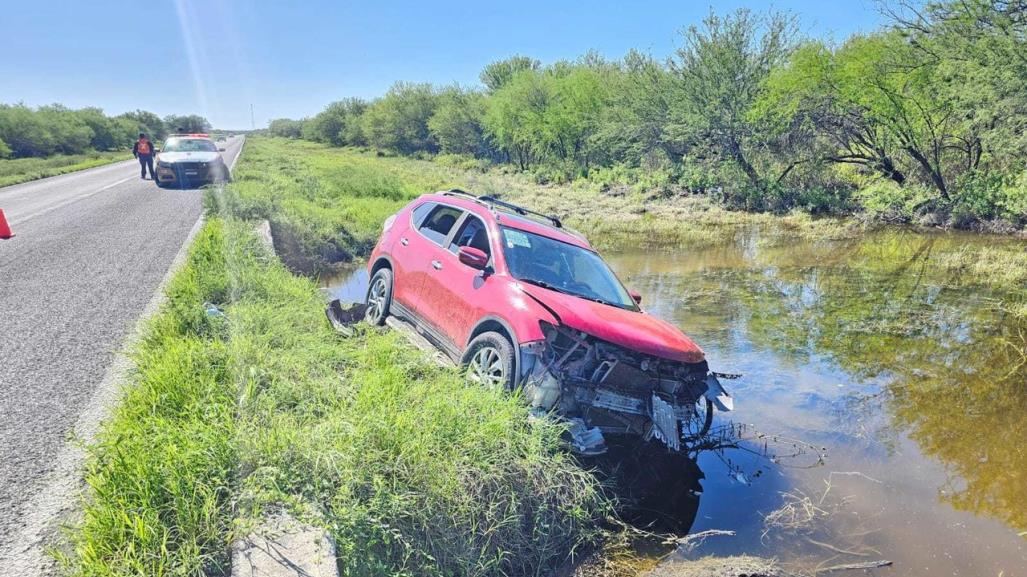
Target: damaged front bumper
600 389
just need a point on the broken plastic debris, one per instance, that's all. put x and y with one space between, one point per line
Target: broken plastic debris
212 310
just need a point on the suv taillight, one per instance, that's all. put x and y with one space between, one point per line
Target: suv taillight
388 224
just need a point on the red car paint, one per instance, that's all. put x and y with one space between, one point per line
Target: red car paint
453 299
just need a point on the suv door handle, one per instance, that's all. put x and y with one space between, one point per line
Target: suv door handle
403 241
436 265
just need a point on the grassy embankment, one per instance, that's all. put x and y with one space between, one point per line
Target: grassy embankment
18 170
412 471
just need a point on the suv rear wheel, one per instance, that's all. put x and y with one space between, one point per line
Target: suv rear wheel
379 297
489 361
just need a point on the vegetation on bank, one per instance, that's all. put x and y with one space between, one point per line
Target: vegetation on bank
21 170
258 405
326 205
922 121
50 140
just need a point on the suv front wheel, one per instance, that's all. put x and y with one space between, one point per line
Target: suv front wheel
489 361
379 297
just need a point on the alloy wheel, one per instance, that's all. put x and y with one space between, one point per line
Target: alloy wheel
486 368
376 300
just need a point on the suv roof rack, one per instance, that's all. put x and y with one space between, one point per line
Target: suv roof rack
493 202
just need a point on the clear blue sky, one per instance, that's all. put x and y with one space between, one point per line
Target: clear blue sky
289 59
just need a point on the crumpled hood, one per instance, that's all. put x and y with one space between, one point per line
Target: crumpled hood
199 156
630 329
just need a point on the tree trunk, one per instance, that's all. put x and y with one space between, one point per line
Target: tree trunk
890 171
936 176
750 172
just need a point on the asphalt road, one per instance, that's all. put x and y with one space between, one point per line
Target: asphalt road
89 251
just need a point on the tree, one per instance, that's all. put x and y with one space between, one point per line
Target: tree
187 124
108 133
457 123
573 119
812 92
498 73
147 122
25 132
978 50
286 128
338 124
5 150
515 117
720 73
399 120
637 118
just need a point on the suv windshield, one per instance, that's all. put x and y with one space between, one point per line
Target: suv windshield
189 145
562 267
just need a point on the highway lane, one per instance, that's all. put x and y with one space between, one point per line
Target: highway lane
89 251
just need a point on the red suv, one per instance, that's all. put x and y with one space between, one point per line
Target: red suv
525 304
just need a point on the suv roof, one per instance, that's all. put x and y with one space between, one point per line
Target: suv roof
512 215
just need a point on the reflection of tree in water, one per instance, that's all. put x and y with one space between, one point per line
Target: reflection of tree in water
953 361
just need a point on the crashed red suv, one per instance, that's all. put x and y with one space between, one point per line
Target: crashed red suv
525 304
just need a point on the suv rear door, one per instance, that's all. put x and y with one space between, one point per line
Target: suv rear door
420 258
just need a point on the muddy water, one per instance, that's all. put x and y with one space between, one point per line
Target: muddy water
906 375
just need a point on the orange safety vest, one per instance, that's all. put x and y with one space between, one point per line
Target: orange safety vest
144 147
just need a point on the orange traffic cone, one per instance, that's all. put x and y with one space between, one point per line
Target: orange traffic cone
5 231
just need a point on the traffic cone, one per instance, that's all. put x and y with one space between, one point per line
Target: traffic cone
5 231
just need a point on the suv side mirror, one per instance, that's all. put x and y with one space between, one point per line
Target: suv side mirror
473 257
221 150
635 296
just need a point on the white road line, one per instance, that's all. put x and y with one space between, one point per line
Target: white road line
70 201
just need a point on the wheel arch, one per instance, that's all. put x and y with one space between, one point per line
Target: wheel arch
496 324
380 263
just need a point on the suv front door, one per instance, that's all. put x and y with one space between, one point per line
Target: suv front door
461 294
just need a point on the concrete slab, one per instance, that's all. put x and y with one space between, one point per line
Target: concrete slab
283 547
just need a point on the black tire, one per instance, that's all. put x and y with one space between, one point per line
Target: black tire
160 184
381 287
489 361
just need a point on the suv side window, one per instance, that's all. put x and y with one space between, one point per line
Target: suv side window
438 224
419 212
473 233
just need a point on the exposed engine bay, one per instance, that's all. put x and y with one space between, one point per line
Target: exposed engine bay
603 389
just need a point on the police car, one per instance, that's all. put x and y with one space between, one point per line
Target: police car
190 160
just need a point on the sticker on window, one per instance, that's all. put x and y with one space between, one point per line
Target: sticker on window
516 238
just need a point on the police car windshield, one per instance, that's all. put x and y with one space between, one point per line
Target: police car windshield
189 145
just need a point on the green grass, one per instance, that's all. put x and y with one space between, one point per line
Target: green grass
411 470
160 475
18 170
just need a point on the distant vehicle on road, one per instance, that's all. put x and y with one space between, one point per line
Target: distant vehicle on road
190 160
524 303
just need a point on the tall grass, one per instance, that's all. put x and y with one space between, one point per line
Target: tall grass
227 417
161 472
18 170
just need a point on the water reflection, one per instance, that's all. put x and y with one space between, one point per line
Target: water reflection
911 375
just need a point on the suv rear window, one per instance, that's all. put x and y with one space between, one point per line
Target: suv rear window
438 224
421 211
